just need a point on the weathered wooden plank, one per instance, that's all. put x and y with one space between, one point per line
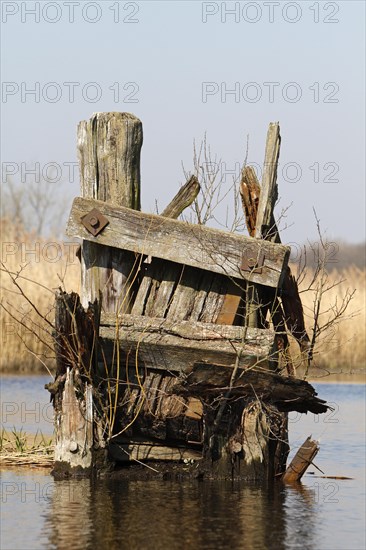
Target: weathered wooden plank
187 329
200 298
265 225
147 271
129 452
175 345
198 246
156 290
234 298
183 299
166 383
194 408
250 192
215 299
160 298
171 405
151 401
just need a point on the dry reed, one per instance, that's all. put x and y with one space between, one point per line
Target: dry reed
43 266
342 348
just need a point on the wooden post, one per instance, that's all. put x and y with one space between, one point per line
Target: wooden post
109 146
264 227
258 207
72 391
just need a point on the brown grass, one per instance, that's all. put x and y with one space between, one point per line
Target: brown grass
53 264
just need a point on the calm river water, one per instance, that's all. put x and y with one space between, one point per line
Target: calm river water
323 514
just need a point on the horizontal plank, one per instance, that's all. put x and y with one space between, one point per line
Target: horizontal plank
178 241
176 345
126 452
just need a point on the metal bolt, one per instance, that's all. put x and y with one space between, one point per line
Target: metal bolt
94 221
73 447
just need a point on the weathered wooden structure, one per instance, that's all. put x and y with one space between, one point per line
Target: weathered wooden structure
167 358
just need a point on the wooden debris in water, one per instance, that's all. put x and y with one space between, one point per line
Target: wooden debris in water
301 461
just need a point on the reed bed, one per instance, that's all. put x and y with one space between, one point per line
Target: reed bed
45 264
341 348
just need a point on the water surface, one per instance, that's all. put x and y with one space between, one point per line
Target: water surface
323 514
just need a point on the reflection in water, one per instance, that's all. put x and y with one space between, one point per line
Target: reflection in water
322 514
69 523
119 514
301 517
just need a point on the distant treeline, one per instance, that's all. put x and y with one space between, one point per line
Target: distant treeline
340 255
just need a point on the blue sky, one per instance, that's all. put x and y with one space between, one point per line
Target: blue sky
179 70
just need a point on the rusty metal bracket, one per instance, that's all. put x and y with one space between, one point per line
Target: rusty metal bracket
94 222
252 262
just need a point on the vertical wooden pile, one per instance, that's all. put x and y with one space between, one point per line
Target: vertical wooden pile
258 203
109 146
72 390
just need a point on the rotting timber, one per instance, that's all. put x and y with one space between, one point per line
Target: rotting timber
166 364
